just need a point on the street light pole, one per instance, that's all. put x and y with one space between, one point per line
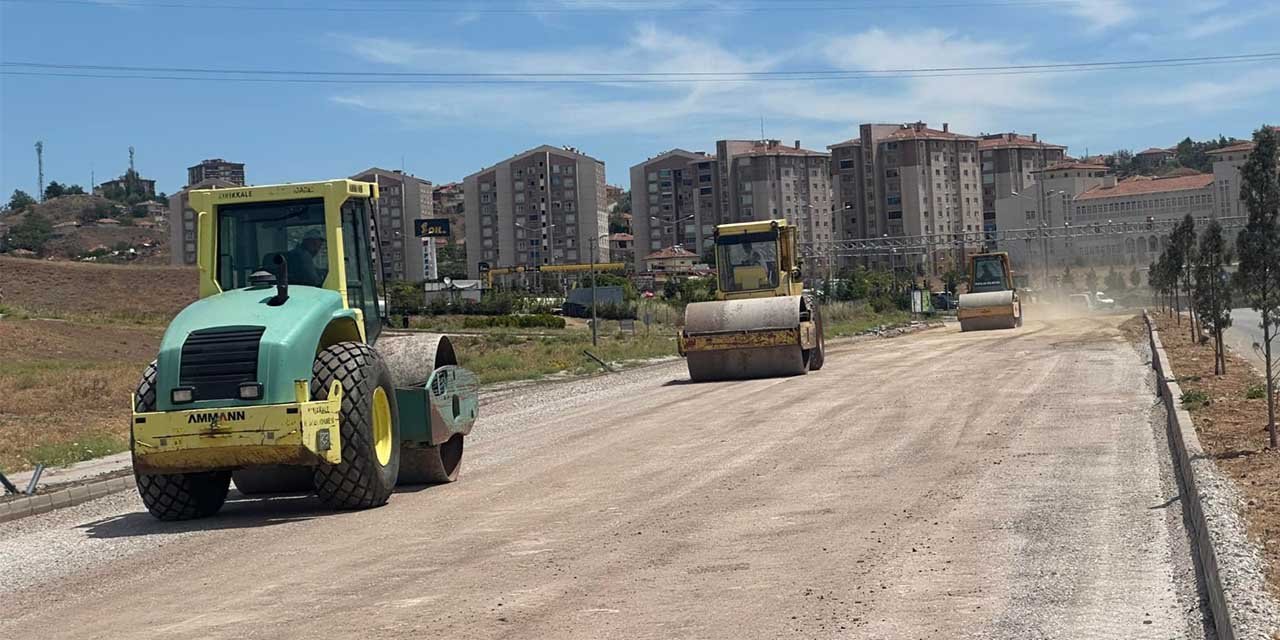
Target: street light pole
595 320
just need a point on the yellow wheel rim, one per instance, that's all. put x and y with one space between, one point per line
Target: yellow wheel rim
381 426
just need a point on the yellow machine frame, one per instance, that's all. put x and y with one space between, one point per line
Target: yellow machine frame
805 333
298 433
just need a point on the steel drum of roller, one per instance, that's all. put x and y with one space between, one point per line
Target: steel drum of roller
742 322
989 310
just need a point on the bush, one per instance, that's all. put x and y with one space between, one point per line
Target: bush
1255 392
515 321
614 311
1194 399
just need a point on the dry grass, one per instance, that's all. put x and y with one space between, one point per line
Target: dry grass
134 293
1232 430
65 389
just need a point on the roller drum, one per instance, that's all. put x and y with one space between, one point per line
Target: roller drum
413 357
754 314
1000 307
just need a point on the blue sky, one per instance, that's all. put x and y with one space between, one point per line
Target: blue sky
296 131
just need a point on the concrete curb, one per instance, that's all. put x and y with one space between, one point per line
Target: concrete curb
1190 456
69 497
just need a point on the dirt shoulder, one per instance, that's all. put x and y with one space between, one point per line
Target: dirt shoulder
66 389
1233 431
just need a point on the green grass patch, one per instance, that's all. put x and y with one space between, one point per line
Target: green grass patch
85 447
11 312
502 358
1255 392
845 319
1194 399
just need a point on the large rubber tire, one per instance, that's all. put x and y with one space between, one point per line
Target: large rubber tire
176 496
819 355
361 480
432 465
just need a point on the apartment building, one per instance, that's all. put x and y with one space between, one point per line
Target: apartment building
909 180
771 180
448 201
182 220
666 191
216 169
402 198
539 207
1010 162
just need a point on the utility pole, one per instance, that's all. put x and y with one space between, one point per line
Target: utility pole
40 169
594 282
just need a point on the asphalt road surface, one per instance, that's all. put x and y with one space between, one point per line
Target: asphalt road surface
1003 484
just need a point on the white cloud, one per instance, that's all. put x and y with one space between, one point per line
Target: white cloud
705 110
1209 94
1218 23
1102 14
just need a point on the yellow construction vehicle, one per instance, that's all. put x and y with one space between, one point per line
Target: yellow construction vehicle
992 301
761 324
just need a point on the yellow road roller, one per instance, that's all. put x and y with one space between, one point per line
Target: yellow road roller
992 301
761 323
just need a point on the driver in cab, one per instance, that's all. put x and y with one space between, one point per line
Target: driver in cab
302 260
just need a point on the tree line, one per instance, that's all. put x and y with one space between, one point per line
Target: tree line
1191 270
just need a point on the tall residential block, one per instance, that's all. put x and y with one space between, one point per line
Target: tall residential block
666 193
1010 163
909 180
449 202
544 206
217 169
679 197
402 198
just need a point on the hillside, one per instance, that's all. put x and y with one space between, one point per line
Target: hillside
134 292
92 228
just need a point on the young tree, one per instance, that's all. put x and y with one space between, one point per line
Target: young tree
1091 281
1115 281
1068 278
1135 278
19 200
1212 295
1184 238
1258 276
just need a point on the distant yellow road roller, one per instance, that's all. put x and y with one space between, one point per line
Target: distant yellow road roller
992 301
761 324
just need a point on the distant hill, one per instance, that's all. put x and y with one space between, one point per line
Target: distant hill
92 228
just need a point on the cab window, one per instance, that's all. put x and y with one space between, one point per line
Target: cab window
748 261
362 288
252 235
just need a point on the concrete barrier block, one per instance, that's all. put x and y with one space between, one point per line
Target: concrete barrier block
80 494
41 504
60 499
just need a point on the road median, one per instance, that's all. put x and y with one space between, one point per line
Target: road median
1231 567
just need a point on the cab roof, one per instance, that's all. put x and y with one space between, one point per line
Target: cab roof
755 226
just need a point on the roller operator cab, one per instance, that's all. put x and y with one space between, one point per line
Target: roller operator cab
992 301
280 375
761 324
